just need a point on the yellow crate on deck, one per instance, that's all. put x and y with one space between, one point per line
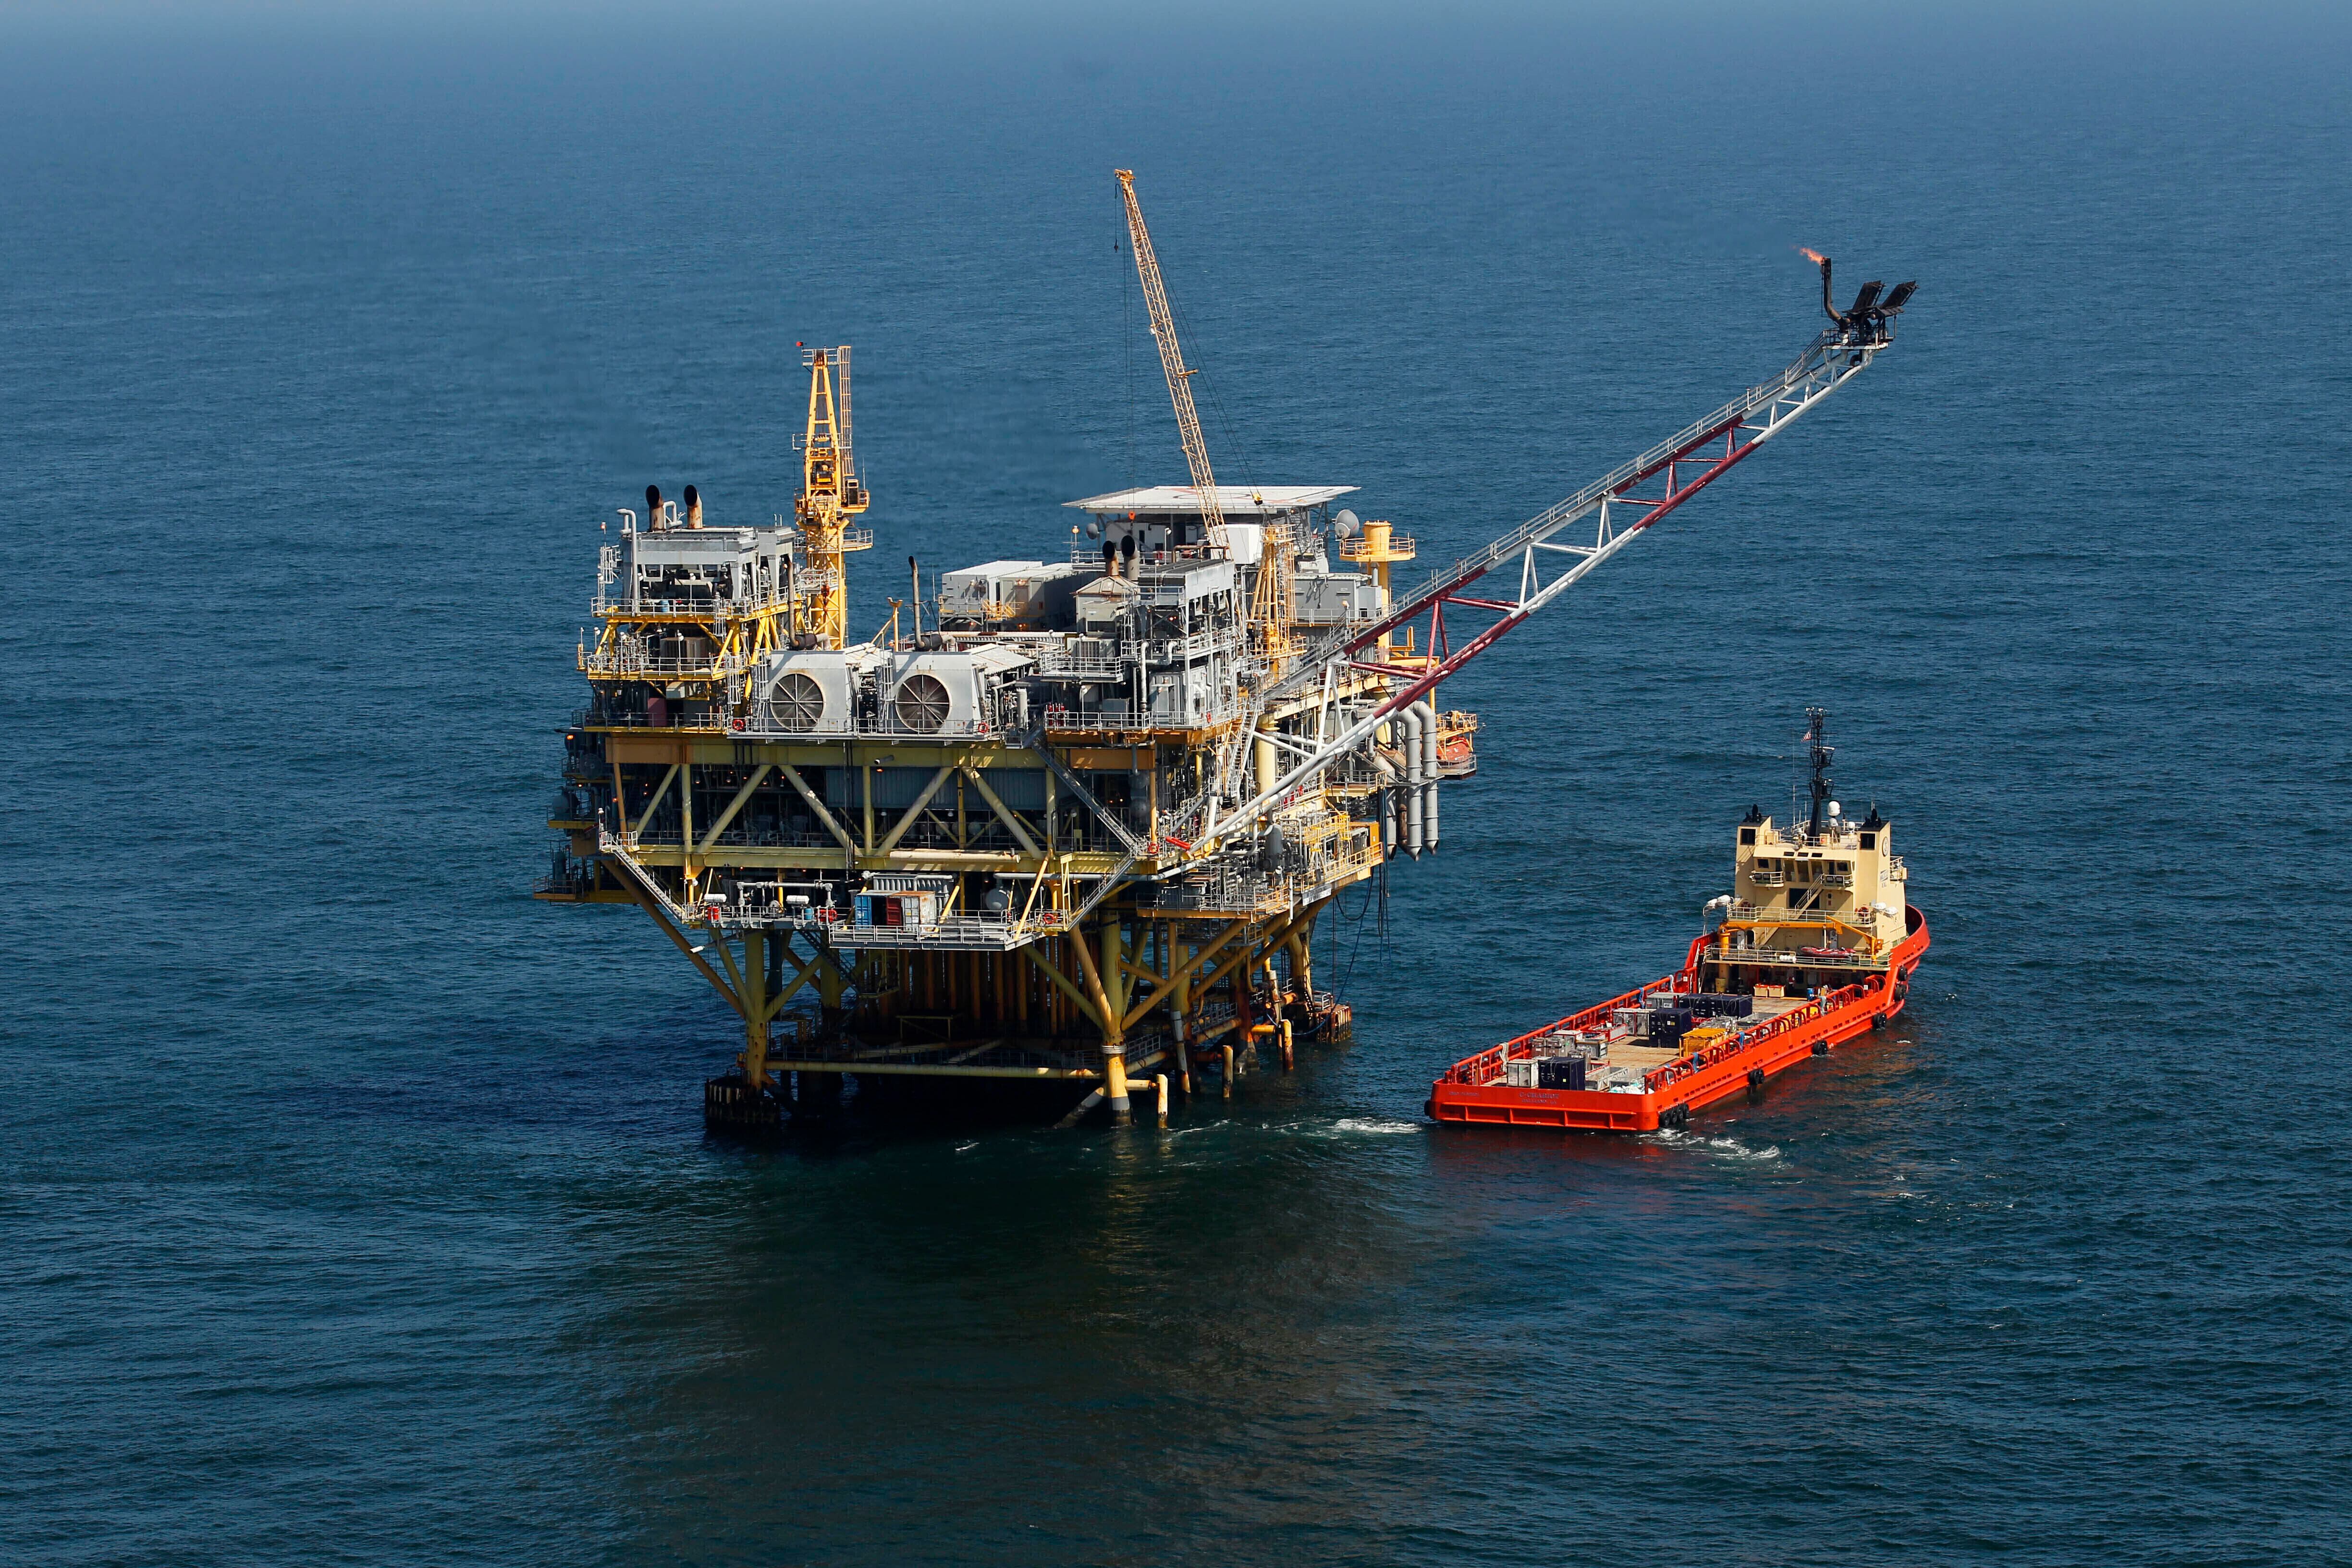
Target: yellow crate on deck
1705 1035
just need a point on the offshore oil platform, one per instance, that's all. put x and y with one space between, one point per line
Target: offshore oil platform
1070 825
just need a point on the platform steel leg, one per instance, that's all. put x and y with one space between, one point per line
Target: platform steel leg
755 1011
1112 987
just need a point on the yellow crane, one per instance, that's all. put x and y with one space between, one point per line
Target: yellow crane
830 495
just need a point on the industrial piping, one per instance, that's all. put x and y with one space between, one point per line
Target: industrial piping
1429 774
1412 718
1389 806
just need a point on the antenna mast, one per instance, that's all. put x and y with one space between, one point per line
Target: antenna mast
1817 729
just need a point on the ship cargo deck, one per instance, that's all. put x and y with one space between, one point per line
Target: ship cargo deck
1641 1087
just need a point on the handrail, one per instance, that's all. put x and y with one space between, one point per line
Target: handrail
596 661
1488 1065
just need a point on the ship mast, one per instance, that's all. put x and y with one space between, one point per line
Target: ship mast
1817 729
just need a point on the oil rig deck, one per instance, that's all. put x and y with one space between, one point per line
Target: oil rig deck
1070 822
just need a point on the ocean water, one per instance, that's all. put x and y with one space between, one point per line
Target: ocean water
354 1208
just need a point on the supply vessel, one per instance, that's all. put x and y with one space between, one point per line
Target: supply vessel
1815 945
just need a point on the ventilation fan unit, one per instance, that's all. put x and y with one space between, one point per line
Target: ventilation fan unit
921 704
951 693
810 691
796 703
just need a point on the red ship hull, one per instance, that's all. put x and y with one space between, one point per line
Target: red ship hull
1473 1091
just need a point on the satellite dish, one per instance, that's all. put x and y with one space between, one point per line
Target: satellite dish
1345 525
1094 529
1835 808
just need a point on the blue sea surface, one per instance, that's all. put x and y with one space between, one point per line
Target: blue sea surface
356 1209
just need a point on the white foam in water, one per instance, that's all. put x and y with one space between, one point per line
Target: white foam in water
1374 1124
1730 1148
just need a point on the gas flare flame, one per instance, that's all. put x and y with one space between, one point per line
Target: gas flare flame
1815 256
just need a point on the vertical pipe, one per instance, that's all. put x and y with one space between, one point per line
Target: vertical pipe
1412 717
1110 995
1163 1081
1274 989
1244 1011
1182 958
755 1007
1429 774
1115 1074
866 772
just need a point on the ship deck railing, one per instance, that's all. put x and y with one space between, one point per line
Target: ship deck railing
756 726
1132 651
1789 958
1305 877
977 933
1059 719
718 667
1795 1017
1860 919
1087 554
713 604
1078 667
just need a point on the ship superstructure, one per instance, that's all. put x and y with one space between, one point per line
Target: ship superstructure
1064 820
1818 899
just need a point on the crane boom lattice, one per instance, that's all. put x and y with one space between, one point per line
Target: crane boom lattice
1172 363
1711 446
